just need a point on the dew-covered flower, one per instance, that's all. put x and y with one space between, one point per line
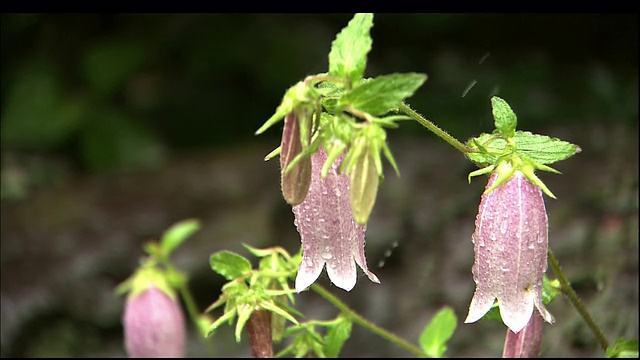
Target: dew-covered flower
328 230
510 245
154 325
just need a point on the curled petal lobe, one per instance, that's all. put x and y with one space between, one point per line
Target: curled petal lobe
510 245
328 232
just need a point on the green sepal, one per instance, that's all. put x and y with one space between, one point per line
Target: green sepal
484 170
275 152
285 107
149 276
528 171
505 171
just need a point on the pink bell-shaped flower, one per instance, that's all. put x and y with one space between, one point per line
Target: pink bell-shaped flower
328 230
154 325
510 245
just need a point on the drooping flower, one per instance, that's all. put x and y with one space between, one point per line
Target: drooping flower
510 245
154 325
527 342
328 231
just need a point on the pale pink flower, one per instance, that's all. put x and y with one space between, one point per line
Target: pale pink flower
154 325
510 245
328 230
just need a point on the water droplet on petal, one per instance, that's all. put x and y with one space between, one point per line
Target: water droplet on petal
503 227
492 236
532 247
309 262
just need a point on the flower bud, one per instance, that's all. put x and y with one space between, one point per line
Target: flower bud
527 342
295 182
364 187
510 245
154 325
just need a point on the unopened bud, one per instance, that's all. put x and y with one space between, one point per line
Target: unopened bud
154 325
295 182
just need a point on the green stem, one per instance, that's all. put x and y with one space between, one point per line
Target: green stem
367 324
573 298
435 129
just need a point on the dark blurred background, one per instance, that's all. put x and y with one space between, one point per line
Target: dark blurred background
115 126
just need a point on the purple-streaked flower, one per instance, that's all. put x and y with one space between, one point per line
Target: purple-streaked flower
328 230
510 245
154 325
527 342
295 182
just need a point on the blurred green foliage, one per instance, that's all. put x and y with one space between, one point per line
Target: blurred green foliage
118 91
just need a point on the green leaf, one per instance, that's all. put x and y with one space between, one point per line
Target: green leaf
177 234
348 56
543 149
622 348
433 339
381 94
505 118
337 334
229 264
540 149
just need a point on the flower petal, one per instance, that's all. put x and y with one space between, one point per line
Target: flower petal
328 231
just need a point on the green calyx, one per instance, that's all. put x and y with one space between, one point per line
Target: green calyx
146 277
506 150
506 166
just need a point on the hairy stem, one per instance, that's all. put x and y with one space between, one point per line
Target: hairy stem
366 323
573 298
259 330
435 129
